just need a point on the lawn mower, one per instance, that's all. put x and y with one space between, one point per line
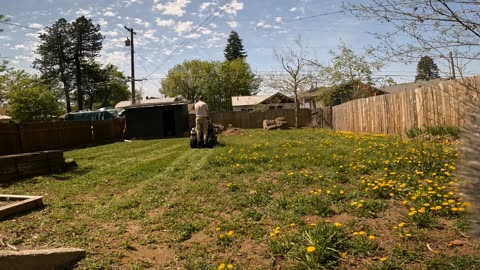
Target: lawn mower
213 132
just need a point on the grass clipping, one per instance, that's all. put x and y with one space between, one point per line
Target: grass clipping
469 170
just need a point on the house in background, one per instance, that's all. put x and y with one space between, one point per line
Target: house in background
393 89
262 103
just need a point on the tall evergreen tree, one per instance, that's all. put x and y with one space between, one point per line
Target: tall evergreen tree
426 69
234 49
87 43
55 56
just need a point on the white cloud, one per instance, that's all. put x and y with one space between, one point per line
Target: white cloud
83 12
150 34
262 24
36 25
233 24
233 7
140 22
109 13
19 47
278 19
130 2
117 58
176 8
102 22
293 9
204 31
205 5
110 33
181 27
166 23
193 36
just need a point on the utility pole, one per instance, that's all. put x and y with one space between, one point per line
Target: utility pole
132 77
452 66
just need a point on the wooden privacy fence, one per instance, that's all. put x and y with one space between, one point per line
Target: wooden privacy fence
245 119
444 104
30 137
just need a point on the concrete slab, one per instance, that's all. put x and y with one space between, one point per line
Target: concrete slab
42 259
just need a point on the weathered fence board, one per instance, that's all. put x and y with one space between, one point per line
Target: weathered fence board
444 104
31 137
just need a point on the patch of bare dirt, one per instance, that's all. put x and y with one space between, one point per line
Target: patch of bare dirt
233 132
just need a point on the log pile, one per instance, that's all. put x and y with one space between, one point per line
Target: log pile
278 123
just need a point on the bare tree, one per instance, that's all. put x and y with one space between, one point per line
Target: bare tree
299 70
437 28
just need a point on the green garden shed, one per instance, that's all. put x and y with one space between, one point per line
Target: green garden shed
156 120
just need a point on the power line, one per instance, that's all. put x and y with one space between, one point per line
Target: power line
207 21
22 26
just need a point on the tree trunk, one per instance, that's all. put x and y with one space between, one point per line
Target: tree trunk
78 78
296 109
66 91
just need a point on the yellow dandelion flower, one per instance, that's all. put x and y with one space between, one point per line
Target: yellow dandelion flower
355 233
461 209
371 237
230 266
293 225
230 233
221 236
408 235
338 224
310 249
221 266
361 233
383 259
217 229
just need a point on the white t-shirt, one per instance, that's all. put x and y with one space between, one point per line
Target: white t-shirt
201 109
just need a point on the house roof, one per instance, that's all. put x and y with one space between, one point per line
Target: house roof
411 86
123 104
254 100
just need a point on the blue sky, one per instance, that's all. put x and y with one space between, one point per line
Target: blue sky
171 31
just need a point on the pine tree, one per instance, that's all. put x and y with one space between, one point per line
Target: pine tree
55 58
87 43
426 69
234 47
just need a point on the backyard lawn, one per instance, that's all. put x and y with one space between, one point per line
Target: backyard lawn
293 199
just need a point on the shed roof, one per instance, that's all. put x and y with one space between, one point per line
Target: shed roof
155 104
126 103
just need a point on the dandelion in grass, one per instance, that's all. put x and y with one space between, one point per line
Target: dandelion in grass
229 266
310 249
230 233
383 259
338 224
372 237
221 266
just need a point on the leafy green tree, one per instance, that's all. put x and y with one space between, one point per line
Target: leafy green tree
3 18
104 86
426 69
352 74
234 49
55 61
87 43
216 81
234 78
30 99
186 80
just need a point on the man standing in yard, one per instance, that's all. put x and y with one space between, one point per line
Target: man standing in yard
201 119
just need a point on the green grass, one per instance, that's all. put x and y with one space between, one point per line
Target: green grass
258 202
